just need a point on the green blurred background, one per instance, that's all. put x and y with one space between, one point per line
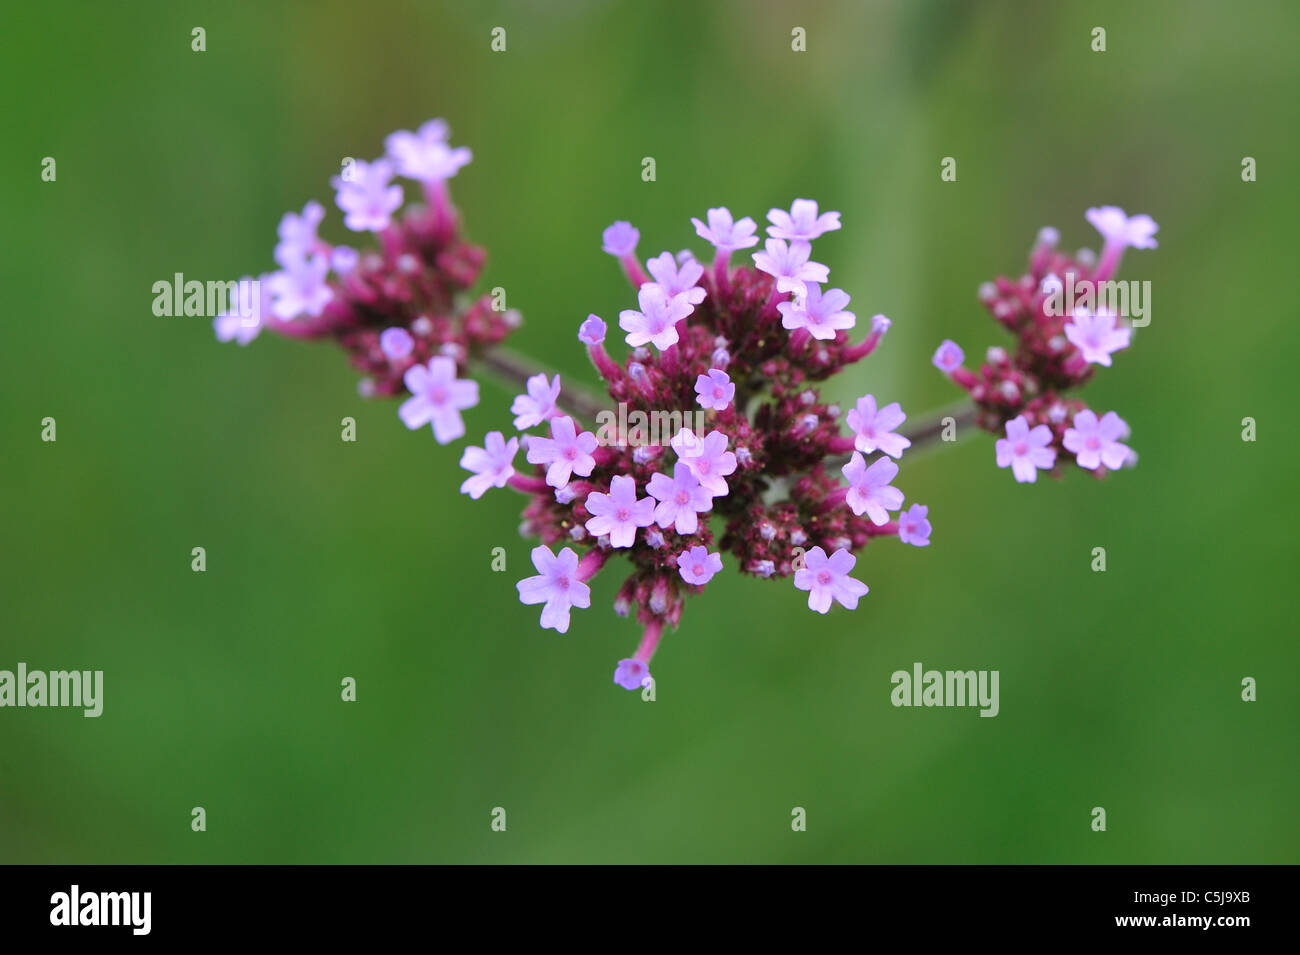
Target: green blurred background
328 559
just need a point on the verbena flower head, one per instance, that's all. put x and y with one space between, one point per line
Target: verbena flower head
712 445
1024 394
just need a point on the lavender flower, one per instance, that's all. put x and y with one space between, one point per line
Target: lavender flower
300 288
298 234
1096 443
715 390
724 234
873 430
437 398
869 490
619 513
556 585
366 196
802 222
493 464
566 452
697 566
1025 450
1096 335
681 499
913 526
827 578
656 323
538 404
822 314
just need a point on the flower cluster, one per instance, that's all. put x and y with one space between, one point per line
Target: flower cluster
721 444
1022 395
736 350
398 309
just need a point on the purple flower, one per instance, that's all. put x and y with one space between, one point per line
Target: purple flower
1096 443
631 674
801 222
678 281
1096 335
1025 451
493 464
592 331
298 233
869 488
948 357
681 499
556 585
241 322
1120 230
708 459
874 430
299 288
714 390
566 452
827 578
396 343
619 513
656 323
538 405
789 265
724 234
913 527
620 239
343 259
822 314
366 197
437 397
425 155
697 566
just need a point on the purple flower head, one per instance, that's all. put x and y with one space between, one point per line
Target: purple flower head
789 265
821 313
801 222
913 526
566 452
437 398
493 464
948 357
708 459
873 430
632 674
724 234
396 343
1096 335
827 578
1025 450
592 330
678 280
538 405
556 585
298 233
424 155
366 196
619 513
1120 230
656 323
697 566
1096 443
714 390
681 499
299 288
620 239
869 488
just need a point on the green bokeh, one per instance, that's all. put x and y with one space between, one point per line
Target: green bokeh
328 559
